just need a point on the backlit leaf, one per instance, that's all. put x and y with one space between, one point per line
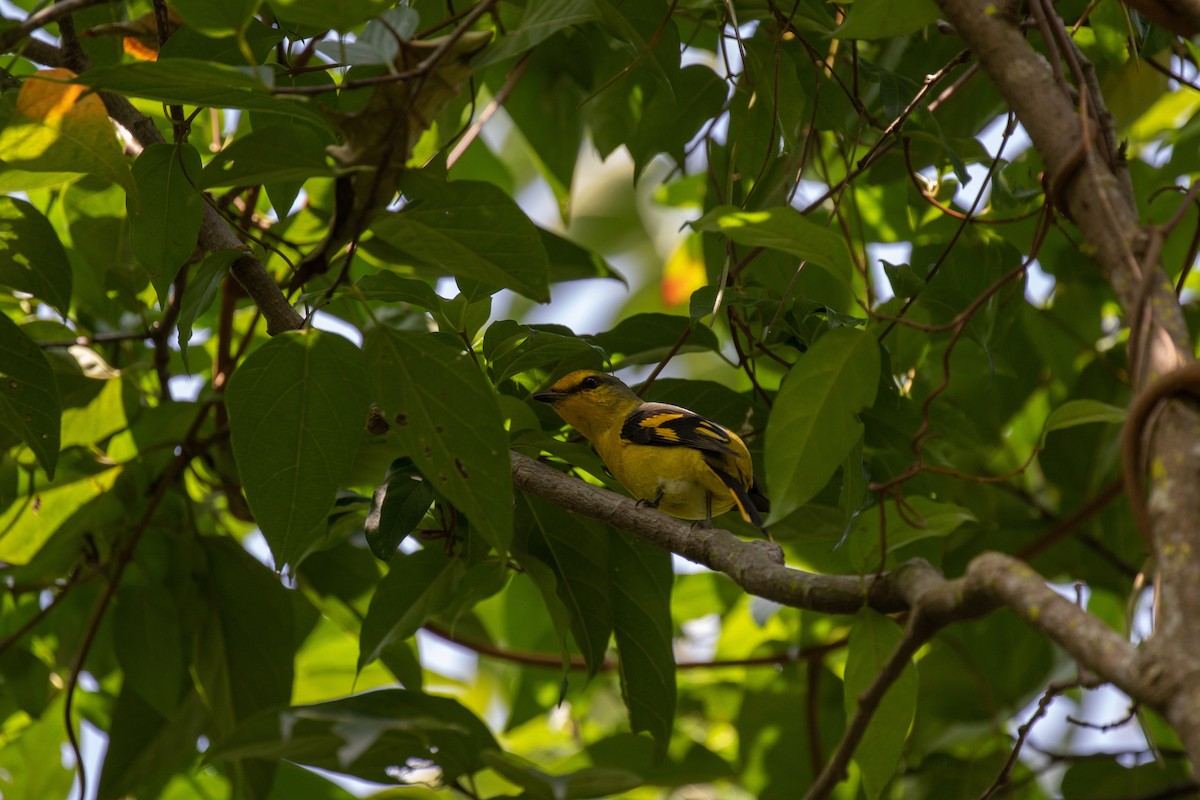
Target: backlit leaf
58 128
32 259
783 229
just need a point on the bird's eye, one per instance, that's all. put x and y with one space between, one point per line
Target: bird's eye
591 382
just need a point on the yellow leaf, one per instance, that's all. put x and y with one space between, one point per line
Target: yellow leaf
59 127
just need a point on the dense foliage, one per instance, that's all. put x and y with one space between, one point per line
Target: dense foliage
276 302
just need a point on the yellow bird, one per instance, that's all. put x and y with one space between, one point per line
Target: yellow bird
669 458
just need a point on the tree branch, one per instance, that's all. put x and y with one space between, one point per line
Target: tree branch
991 580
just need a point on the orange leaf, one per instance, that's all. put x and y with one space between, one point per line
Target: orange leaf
683 273
47 97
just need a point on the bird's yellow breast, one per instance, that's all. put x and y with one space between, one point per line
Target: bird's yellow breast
645 471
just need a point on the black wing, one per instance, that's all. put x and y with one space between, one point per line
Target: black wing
662 425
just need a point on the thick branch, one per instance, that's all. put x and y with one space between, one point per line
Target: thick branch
991 580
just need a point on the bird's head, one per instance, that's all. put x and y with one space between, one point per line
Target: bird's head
589 400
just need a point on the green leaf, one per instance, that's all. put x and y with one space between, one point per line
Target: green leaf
1081 412
882 19
396 508
446 417
647 338
539 22
29 404
669 123
32 259
165 215
873 638
188 42
246 652
149 644
56 128
392 288
468 229
273 153
144 746
814 421
784 229
518 349
38 745
578 551
339 15
367 735
641 598
217 17
296 413
416 587
922 519
198 82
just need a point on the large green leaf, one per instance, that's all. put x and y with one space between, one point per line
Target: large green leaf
647 338
28 523
165 215
416 587
273 153
367 735
882 19
29 404
1081 412
539 22
578 552
641 599
40 744
468 229
144 746
872 640
32 259
921 518
297 408
783 229
149 645
217 17
814 420
669 123
340 15
197 82
445 415
246 652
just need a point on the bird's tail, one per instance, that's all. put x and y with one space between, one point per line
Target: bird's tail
748 501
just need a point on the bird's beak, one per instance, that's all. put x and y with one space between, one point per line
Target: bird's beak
549 398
